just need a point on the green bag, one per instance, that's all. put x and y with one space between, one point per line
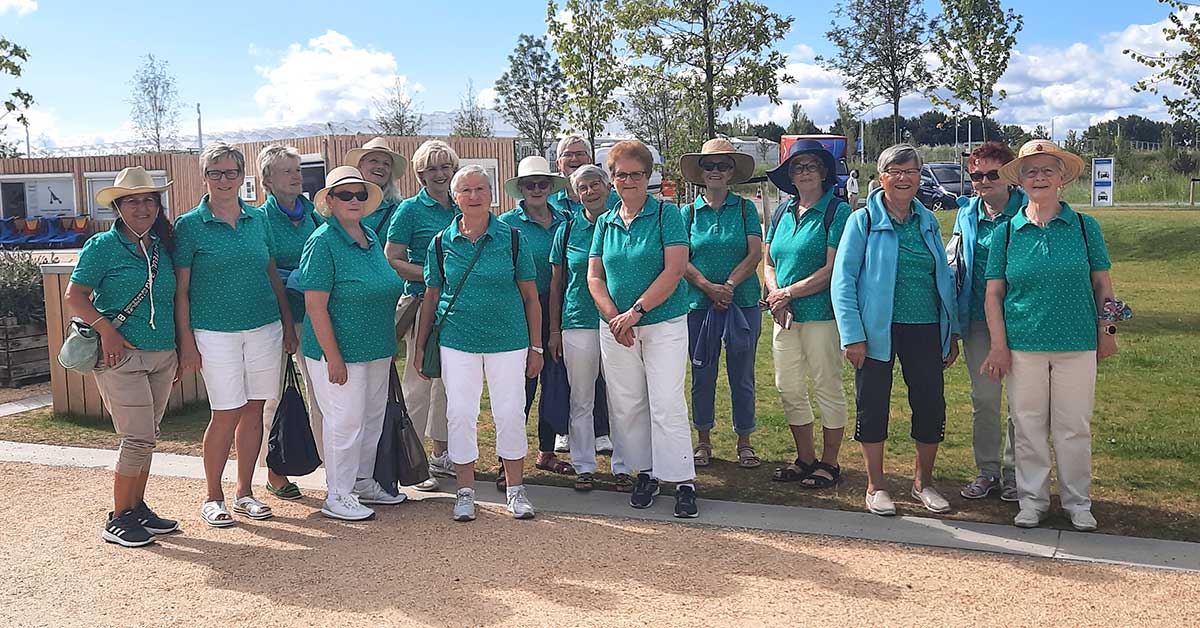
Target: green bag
431 362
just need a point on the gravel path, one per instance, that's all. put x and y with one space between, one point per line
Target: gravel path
414 567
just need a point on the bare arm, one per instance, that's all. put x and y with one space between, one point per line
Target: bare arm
999 359
290 342
598 286
316 306
112 343
557 287
189 355
533 319
1102 289
397 256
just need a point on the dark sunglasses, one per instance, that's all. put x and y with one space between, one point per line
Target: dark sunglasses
990 175
350 196
536 185
719 166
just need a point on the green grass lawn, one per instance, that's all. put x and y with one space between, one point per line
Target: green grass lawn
1146 428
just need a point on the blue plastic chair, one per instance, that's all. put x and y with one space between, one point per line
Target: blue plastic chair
53 230
74 232
10 235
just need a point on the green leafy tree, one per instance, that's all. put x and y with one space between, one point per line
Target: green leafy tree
800 123
397 113
847 124
18 101
768 131
974 40
880 52
1180 70
471 120
584 38
154 104
719 49
659 112
530 93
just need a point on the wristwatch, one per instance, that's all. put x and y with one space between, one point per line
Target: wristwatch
536 349
637 307
1109 329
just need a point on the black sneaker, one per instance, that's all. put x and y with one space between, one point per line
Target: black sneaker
644 491
153 523
685 502
125 530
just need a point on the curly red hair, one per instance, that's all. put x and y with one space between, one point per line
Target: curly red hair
990 150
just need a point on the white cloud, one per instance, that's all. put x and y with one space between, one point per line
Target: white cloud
20 7
486 98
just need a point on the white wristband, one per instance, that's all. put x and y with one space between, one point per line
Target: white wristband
536 349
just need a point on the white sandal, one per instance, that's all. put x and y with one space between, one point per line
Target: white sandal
247 506
214 514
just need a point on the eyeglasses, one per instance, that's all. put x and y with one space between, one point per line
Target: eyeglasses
719 166
133 201
215 175
1045 173
573 154
635 176
805 168
990 175
361 195
595 185
907 172
540 184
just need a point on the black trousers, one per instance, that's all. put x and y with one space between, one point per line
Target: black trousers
919 348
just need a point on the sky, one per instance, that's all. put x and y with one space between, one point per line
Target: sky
263 64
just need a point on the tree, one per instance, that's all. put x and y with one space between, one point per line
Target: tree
974 40
720 49
801 124
12 57
1180 69
848 124
738 126
661 113
530 93
397 113
154 103
584 39
881 45
768 131
471 120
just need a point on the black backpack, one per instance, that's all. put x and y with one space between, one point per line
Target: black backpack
830 213
441 255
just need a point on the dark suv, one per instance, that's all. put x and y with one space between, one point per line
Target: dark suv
941 185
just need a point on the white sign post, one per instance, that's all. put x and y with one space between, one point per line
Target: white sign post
1103 177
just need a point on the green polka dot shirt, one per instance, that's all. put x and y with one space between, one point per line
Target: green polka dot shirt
290 237
539 238
634 256
414 224
718 244
578 309
798 248
916 300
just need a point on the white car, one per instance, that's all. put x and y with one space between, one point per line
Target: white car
602 149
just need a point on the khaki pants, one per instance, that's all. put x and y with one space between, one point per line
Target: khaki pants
425 399
136 395
310 393
810 352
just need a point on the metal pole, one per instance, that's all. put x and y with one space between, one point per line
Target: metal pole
199 131
862 142
28 154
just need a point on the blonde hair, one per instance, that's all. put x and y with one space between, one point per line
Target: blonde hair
430 151
219 150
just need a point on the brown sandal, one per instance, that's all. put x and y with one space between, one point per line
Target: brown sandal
554 465
747 459
702 455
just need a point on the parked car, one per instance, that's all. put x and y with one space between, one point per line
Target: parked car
941 186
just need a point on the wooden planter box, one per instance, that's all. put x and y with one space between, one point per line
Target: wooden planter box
24 353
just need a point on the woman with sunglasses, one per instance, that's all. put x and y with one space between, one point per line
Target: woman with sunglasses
539 221
635 274
986 214
233 321
725 248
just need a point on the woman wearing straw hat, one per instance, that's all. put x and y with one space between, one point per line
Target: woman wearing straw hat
383 167
350 295
802 240
538 222
115 267
233 320
725 240
1050 311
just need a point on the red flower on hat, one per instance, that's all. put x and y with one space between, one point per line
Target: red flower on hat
1039 148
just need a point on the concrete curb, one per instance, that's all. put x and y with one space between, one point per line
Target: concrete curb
26 404
910 530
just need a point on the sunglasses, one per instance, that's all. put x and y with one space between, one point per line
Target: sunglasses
719 166
536 185
350 196
990 175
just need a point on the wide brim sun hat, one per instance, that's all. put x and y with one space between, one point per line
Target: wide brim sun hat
1072 163
379 145
345 175
743 164
533 166
780 176
130 181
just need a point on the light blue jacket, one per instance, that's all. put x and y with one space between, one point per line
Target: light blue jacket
864 278
967 224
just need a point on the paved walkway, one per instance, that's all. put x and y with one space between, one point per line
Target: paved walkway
26 404
1041 542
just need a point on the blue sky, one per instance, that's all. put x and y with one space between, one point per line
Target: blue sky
258 64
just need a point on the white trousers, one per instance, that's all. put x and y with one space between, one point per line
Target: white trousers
1050 397
353 420
581 354
425 399
464 374
310 394
647 406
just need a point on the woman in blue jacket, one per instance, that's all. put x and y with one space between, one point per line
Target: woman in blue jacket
894 296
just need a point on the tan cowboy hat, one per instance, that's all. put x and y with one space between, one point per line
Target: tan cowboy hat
1072 164
533 166
743 164
343 175
378 145
132 180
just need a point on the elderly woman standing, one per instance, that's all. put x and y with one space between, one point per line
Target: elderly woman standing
411 230
350 294
115 268
538 222
233 322
1050 311
638 257
725 248
292 218
978 223
802 241
480 285
893 297
574 152
383 167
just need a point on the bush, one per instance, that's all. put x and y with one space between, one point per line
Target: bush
1184 163
21 288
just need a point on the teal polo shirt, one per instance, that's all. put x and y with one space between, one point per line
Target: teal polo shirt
363 291
571 252
1049 304
379 219
798 249
489 315
414 224
230 289
634 256
916 300
564 203
113 267
984 238
537 238
290 237
718 244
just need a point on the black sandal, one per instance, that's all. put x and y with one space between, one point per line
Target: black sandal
814 481
790 473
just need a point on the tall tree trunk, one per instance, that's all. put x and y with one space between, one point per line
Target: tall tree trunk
895 120
709 104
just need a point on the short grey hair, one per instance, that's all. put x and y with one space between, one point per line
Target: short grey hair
219 150
590 171
467 171
571 139
898 154
268 156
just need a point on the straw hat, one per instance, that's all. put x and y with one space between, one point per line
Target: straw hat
343 175
781 175
1072 164
132 180
743 164
379 145
533 166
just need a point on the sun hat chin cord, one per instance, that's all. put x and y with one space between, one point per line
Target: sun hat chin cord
146 255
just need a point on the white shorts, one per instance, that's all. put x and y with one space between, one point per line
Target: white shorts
240 365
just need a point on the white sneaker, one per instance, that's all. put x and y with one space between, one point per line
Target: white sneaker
931 499
368 491
518 503
880 503
1028 518
431 484
441 466
464 505
562 444
1083 521
346 508
604 445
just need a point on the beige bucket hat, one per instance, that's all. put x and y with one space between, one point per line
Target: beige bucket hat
378 145
343 175
1072 163
743 164
132 180
533 166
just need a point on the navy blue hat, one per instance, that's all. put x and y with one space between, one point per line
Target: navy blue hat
779 174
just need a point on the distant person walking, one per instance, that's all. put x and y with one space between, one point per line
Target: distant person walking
852 189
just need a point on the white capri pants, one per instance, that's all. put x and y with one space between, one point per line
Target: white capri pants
353 420
238 366
310 395
647 405
463 373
